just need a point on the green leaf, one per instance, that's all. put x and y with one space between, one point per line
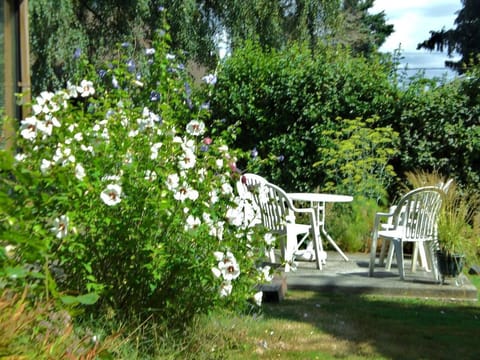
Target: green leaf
85 299
16 272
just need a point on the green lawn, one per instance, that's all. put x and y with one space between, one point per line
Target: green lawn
308 325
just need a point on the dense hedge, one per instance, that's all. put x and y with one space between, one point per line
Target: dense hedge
281 105
439 128
284 101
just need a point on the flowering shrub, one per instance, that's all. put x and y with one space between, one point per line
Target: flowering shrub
119 197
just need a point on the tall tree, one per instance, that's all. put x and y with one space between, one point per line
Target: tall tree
464 39
363 31
61 29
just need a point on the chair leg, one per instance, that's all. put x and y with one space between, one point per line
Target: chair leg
282 244
424 260
271 255
373 253
391 250
430 251
415 256
290 248
381 259
317 243
399 252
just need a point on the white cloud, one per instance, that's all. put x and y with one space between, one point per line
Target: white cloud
413 20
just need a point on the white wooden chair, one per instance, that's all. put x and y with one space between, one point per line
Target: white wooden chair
277 214
413 219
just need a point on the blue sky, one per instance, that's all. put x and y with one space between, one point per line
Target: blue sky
413 20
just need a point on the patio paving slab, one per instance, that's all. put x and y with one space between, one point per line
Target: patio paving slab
351 277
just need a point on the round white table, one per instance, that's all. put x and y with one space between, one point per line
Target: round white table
317 202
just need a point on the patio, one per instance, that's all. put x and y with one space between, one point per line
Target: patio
351 277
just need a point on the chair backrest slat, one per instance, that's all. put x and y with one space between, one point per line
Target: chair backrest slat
419 210
273 203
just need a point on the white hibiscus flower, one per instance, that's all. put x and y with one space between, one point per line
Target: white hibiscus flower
185 192
196 128
60 227
258 297
226 288
86 88
229 267
29 128
45 104
187 160
79 172
265 273
45 166
46 127
150 175
269 239
210 79
154 150
227 189
112 194
172 181
192 222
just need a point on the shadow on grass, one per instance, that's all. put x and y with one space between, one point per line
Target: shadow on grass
390 328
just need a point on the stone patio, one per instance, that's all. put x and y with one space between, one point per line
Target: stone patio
351 277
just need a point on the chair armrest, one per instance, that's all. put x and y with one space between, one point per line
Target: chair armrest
309 211
379 216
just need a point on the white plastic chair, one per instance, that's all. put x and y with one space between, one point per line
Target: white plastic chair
250 181
414 219
278 216
418 248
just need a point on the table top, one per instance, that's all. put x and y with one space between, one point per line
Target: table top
318 197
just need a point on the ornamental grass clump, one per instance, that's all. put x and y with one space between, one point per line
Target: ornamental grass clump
118 196
458 227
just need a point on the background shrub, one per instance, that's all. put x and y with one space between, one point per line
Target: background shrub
439 128
283 101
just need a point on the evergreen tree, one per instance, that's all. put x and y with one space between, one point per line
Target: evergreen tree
363 31
464 39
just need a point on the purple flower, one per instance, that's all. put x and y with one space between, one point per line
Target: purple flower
210 79
188 92
154 96
254 153
125 44
102 73
77 53
131 65
281 158
204 148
